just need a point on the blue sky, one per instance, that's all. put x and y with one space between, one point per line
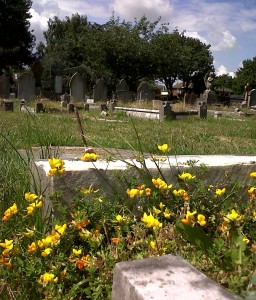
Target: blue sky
228 26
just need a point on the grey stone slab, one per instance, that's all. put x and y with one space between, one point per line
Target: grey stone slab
100 91
166 277
77 88
26 87
4 87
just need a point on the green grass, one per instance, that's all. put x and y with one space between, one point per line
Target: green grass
187 136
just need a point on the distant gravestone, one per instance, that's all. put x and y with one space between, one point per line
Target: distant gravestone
166 112
26 87
202 112
77 88
71 107
144 92
39 107
100 91
252 97
4 87
58 84
122 91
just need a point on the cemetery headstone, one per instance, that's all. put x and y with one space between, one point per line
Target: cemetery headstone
100 91
144 92
39 107
71 107
166 112
4 87
86 106
77 88
58 84
252 97
122 91
202 112
26 87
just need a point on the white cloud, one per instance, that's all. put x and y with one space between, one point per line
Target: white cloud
223 70
223 40
152 9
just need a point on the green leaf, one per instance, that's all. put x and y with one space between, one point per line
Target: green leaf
196 236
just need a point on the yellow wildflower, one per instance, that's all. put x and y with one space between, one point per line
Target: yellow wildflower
150 221
83 262
233 216
29 233
161 184
201 220
46 252
189 217
179 193
220 192
156 211
254 215
167 213
61 229
161 205
186 176
132 193
148 191
77 252
253 175
56 166
246 240
252 191
30 197
32 248
152 245
46 278
115 240
12 210
163 148
89 157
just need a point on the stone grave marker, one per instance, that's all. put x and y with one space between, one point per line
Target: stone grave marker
26 87
77 88
100 91
144 92
122 91
252 97
39 107
202 111
4 87
166 112
58 84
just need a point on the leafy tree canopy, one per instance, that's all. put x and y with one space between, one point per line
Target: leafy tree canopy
16 42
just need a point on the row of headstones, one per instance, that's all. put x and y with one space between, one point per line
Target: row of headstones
27 90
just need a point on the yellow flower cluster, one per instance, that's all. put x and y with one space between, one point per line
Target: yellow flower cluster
57 166
12 210
150 221
161 184
47 278
186 176
139 191
181 193
190 217
89 157
220 192
48 242
35 202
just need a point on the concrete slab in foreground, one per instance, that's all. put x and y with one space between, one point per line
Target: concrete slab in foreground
166 277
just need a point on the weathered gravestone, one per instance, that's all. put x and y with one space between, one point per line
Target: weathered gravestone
252 98
100 91
122 91
166 112
58 84
202 111
77 88
26 87
144 92
4 87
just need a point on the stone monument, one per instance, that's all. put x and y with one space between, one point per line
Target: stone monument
209 95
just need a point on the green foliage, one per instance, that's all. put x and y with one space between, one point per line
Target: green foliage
16 41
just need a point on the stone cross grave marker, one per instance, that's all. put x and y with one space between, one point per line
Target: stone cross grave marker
144 92
77 88
100 91
4 87
122 91
26 87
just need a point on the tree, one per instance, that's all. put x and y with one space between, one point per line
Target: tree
245 74
16 42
